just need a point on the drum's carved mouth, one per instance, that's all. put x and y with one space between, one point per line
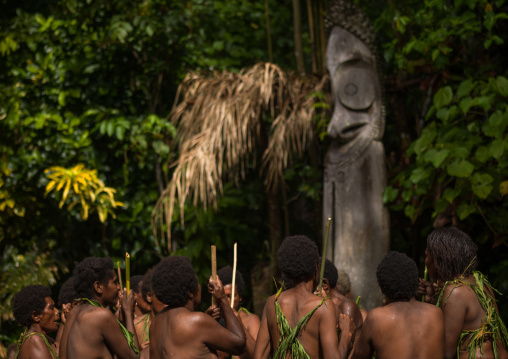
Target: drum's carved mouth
352 130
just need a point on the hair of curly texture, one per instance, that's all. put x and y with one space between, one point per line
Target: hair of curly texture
173 280
453 253
27 300
330 273
146 284
135 280
298 258
89 271
67 292
226 276
397 276
343 282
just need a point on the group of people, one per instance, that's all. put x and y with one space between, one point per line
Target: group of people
458 318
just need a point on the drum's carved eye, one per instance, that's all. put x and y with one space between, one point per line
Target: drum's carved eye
355 86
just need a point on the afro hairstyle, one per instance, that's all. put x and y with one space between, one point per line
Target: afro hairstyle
89 271
453 253
343 282
331 272
397 276
146 284
173 280
28 300
226 276
67 292
298 259
135 280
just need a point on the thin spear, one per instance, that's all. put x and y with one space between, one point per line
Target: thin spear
323 258
128 272
214 269
119 274
234 277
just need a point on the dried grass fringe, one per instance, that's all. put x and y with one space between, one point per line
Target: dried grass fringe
218 119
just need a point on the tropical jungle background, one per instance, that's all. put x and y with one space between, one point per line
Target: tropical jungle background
91 136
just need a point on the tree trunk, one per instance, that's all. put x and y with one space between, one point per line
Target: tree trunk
297 23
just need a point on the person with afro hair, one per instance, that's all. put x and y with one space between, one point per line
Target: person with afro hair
473 326
179 329
250 321
142 311
342 303
67 299
141 307
92 330
296 323
34 309
396 330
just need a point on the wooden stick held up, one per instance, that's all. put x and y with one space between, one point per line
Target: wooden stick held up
323 257
128 272
233 286
119 274
214 268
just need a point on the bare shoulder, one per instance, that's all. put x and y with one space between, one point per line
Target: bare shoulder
456 293
327 308
431 309
249 318
35 346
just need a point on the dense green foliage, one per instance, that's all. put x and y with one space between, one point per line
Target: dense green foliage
447 58
92 83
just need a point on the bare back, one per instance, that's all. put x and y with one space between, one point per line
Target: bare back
403 330
295 305
181 333
463 312
93 332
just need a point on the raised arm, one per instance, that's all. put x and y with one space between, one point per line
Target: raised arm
230 339
127 307
113 336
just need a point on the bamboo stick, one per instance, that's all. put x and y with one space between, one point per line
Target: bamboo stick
233 283
128 272
323 257
214 268
119 274
358 300
425 278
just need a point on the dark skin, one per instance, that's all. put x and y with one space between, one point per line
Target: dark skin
143 307
344 305
93 332
461 311
396 331
249 321
184 333
319 337
44 323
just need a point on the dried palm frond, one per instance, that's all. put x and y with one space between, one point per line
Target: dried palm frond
219 118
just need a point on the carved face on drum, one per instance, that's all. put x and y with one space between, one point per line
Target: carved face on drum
358 115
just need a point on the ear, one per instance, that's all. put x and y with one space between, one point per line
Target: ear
149 298
97 286
326 285
35 317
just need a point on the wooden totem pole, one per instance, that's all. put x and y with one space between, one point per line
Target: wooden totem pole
355 173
